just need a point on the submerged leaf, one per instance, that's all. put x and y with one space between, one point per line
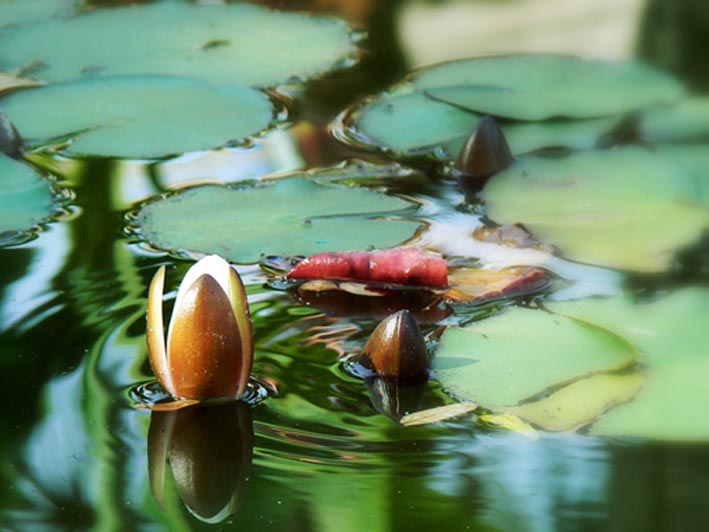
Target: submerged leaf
293 216
440 413
510 422
139 116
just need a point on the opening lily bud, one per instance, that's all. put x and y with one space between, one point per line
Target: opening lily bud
484 154
397 349
209 350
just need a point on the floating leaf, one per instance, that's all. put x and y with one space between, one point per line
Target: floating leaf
293 216
411 124
694 160
23 11
538 87
9 82
238 43
440 413
435 110
512 357
580 402
139 116
510 422
687 119
671 334
475 284
624 208
25 200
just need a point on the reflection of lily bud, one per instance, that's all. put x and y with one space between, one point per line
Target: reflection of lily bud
393 398
209 341
210 450
484 154
397 349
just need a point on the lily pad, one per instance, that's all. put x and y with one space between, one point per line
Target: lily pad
436 108
686 120
23 11
25 200
293 216
539 87
671 335
241 43
625 208
513 357
138 116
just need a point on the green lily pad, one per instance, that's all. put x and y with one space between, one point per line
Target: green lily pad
625 208
25 200
294 216
436 108
413 124
241 43
513 357
671 335
580 402
538 87
139 116
686 120
694 160
23 11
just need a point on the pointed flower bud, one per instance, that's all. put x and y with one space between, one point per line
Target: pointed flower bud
484 154
209 349
397 349
10 140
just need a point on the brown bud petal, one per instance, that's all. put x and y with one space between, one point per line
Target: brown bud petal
204 346
484 154
397 349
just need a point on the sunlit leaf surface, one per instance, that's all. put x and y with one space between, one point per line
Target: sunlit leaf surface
240 43
671 335
294 216
514 356
139 116
25 199
626 208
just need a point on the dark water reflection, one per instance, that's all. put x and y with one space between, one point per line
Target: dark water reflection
323 457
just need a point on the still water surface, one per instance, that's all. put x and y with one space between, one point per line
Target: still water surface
317 455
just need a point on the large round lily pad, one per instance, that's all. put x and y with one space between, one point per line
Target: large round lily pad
433 111
25 200
139 116
294 216
670 332
511 358
240 43
686 120
538 87
626 208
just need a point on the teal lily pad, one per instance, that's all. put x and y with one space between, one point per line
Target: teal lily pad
435 109
627 208
293 216
138 116
686 120
241 43
670 332
23 11
512 358
539 87
25 200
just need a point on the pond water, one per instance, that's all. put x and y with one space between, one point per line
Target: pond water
320 453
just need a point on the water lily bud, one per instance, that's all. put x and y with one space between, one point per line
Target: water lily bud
10 140
484 154
209 348
209 449
397 349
